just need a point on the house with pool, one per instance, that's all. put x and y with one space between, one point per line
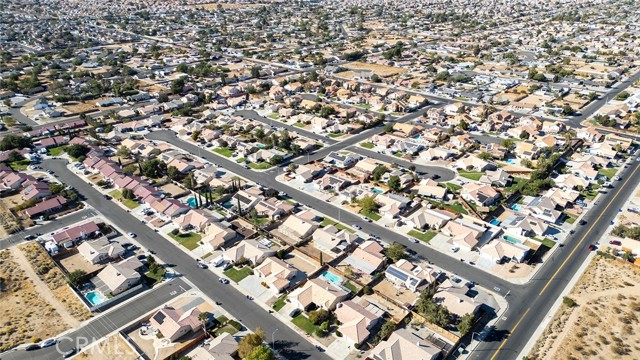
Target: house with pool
119 277
318 293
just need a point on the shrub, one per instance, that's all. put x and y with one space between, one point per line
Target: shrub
569 301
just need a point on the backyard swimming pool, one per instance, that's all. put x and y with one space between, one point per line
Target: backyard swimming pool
192 202
331 277
376 190
95 298
495 222
511 239
516 207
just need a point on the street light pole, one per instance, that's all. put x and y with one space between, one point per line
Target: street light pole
273 341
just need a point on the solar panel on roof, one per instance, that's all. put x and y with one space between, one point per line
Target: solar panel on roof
397 273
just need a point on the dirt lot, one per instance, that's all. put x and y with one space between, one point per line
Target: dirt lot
227 6
112 348
380 70
75 107
604 323
52 276
26 316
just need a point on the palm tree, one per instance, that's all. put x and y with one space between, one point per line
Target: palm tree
204 319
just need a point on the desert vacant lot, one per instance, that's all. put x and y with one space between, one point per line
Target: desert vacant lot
26 315
380 70
603 325
112 348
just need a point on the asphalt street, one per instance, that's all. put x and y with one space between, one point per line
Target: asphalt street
290 344
526 302
47 227
439 259
106 323
528 308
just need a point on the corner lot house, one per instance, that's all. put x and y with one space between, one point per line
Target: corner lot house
317 293
121 276
498 250
404 344
174 323
356 320
100 250
464 234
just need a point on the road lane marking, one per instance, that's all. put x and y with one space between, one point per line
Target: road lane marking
629 176
588 232
512 331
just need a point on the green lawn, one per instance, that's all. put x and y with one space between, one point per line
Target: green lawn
259 221
327 222
472 175
152 278
130 204
273 116
608 172
188 240
397 154
570 218
279 304
225 329
241 160
371 215
425 236
515 184
299 124
303 323
354 289
457 207
589 194
260 166
56 151
548 243
367 145
237 275
453 187
20 165
223 151
334 135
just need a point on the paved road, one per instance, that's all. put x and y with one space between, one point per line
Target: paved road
288 341
250 114
48 227
523 299
528 308
346 217
107 323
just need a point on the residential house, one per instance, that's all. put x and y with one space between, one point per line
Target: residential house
341 161
457 302
297 228
406 274
36 190
176 323
392 205
307 172
498 250
122 276
99 250
218 234
253 250
497 178
196 219
317 293
430 188
480 194
367 257
405 344
333 240
524 225
77 233
357 321
223 347
276 273
47 206
464 234
430 219
474 163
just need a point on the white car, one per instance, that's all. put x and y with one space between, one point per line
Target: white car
132 235
357 227
48 342
413 240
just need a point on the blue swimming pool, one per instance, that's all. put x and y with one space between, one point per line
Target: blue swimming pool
192 202
510 161
376 190
511 239
328 275
516 207
227 205
95 298
495 222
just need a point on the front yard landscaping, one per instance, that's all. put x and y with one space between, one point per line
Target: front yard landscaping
20 165
154 277
471 175
453 187
328 222
238 274
608 172
260 166
189 240
130 204
425 236
223 151
303 323
371 215
56 151
279 304
367 145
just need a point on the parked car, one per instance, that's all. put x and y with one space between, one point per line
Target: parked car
32 347
592 247
357 227
69 353
131 234
202 265
30 237
47 343
295 312
615 242
223 281
413 240
455 249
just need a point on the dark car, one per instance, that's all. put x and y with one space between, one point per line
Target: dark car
592 247
29 237
582 222
615 242
107 197
69 353
32 347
